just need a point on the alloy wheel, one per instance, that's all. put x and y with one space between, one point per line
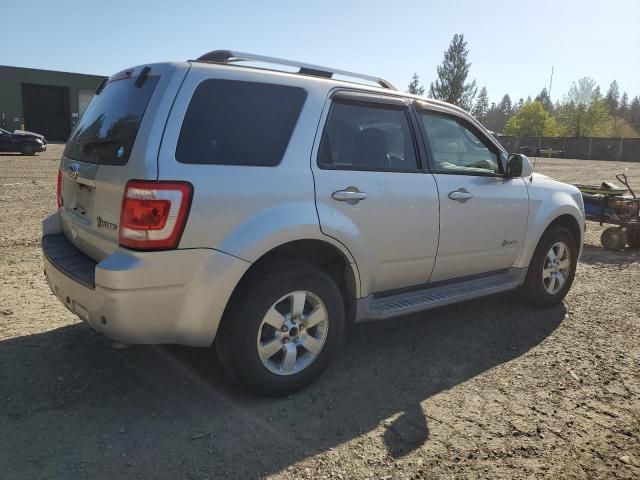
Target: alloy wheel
292 333
556 269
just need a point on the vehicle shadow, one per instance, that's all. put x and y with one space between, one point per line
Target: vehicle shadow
73 406
600 256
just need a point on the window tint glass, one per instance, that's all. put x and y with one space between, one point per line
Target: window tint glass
455 148
239 123
361 137
108 127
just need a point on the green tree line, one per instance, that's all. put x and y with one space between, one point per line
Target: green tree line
582 112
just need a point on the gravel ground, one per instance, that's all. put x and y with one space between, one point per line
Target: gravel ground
487 389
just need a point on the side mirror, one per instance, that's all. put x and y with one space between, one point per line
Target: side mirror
518 165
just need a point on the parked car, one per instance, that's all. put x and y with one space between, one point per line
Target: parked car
27 143
262 212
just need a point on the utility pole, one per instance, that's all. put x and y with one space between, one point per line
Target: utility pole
544 120
550 85
546 110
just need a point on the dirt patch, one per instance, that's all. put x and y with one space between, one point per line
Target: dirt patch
487 389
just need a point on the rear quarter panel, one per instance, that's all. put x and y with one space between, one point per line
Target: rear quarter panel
246 211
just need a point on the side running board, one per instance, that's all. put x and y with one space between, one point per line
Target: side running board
438 295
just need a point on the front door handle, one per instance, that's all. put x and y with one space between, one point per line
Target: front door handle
461 195
351 195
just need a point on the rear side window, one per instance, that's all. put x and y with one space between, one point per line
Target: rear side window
108 128
367 137
232 122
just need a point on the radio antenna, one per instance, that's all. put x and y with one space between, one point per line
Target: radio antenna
550 85
546 112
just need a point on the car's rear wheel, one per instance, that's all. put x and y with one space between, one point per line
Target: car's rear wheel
282 328
552 268
28 149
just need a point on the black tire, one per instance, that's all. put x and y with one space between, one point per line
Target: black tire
28 149
633 237
533 288
613 238
235 342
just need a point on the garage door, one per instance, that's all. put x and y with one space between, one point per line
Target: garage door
47 111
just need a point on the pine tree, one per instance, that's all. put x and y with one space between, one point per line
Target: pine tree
623 109
544 98
415 87
492 120
481 108
613 98
634 113
505 105
597 94
451 85
498 115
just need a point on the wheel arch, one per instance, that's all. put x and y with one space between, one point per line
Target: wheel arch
322 254
570 223
567 217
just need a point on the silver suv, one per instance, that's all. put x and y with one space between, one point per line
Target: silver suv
263 211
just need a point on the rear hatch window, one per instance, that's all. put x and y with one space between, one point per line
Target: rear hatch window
98 160
108 128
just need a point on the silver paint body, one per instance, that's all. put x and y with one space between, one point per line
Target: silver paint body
407 232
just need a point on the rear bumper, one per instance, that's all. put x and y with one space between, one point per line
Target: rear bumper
175 296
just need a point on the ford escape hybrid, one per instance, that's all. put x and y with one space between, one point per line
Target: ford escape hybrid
261 211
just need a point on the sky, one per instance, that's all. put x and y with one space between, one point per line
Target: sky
512 43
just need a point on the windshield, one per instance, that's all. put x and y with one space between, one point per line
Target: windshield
108 128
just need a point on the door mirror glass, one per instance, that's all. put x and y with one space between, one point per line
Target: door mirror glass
518 166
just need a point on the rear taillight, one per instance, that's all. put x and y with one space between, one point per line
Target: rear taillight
154 214
59 200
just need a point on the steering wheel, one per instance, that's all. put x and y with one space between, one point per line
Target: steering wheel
485 164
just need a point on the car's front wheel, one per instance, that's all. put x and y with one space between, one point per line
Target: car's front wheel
28 149
552 268
282 328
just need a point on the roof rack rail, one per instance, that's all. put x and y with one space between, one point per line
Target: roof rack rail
229 56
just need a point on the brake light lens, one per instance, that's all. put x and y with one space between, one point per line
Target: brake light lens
154 214
59 200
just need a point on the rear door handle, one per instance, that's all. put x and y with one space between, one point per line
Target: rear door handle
461 195
351 195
